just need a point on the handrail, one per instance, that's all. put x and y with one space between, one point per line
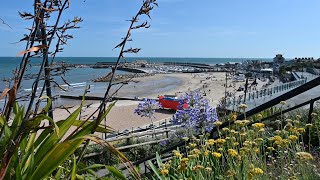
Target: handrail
301 89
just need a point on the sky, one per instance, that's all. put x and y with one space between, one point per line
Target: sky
182 28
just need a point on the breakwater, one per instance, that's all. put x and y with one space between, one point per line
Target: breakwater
121 77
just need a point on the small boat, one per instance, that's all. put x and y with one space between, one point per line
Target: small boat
172 102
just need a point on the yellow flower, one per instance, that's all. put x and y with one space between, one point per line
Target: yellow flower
244 150
261 130
254 172
258 140
243 134
230 173
258 171
293 137
233 117
256 150
301 130
304 156
235 144
283 103
242 122
277 138
277 132
177 154
195 151
208 169
183 164
270 148
232 152
191 156
243 106
225 129
164 171
210 142
206 153
217 155
184 160
258 125
293 178
217 123
271 138
220 149
259 116
298 116
220 141
193 144
197 167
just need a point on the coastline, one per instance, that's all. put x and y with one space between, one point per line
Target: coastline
122 115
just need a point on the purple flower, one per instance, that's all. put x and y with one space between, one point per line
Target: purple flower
147 108
199 116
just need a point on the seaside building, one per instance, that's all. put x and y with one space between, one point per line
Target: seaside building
278 61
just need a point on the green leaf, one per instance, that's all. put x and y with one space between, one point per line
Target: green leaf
89 128
2 121
74 167
59 153
45 110
18 173
154 169
58 174
158 159
4 138
53 138
17 120
100 128
116 173
94 166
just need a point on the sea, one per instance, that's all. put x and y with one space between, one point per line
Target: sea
79 78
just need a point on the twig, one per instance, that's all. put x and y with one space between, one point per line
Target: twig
3 22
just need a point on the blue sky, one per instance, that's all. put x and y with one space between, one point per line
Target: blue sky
183 28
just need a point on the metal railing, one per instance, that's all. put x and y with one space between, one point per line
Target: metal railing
262 93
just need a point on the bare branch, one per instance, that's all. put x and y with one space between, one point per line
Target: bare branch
3 22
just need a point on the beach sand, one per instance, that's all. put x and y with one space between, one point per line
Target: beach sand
122 115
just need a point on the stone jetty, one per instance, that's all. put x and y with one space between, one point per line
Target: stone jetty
122 77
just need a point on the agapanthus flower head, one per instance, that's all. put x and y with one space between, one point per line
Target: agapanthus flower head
198 116
147 108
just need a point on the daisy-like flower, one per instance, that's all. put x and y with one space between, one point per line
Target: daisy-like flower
243 106
304 156
232 152
164 171
258 125
216 155
293 137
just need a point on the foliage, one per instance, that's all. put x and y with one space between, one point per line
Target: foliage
42 149
245 150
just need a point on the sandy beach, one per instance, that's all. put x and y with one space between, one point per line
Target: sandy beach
122 115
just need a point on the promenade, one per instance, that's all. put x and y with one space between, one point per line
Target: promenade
261 96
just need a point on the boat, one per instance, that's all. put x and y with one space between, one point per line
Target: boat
172 102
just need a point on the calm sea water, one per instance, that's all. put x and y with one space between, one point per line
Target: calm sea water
81 77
